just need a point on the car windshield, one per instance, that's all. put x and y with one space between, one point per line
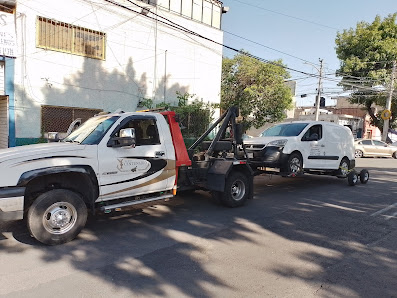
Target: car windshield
284 130
92 131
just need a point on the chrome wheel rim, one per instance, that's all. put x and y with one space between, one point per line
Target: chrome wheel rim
358 153
344 168
238 190
295 165
59 218
355 178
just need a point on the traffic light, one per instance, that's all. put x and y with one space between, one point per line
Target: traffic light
322 102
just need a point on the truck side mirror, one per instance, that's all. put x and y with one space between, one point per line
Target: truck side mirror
126 139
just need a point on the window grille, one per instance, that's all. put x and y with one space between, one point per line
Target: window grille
56 118
63 37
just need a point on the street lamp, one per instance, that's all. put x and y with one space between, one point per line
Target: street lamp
318 88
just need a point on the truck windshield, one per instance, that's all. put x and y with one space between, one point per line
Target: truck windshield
92 131
284 130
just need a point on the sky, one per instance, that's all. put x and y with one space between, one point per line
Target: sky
300 33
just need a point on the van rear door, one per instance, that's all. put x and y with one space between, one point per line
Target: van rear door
339 144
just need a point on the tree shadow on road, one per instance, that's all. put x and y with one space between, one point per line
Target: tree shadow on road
338 246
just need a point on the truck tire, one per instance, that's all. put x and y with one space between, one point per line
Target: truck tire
236 190
57 216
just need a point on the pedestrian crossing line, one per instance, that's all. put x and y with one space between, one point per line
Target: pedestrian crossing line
384 209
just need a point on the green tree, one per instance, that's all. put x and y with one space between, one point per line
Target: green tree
366 56
257 88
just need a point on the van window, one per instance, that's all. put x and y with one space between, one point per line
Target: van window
313 133
284 130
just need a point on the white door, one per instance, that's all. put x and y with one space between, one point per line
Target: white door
130 171
314 147
3 122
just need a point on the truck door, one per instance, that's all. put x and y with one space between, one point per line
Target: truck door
130 171
314 148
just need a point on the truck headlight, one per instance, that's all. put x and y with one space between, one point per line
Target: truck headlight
277 143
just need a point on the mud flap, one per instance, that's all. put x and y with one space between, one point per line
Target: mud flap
217 174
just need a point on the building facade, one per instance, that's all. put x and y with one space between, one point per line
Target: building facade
65 60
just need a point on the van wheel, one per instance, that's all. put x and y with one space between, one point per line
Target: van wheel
358 154
343 168
352 178
294 164
236 190
57 216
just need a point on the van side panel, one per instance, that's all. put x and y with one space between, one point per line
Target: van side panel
336 144
340 143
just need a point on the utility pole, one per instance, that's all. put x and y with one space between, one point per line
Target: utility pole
165 73
319 90
388 103
155 59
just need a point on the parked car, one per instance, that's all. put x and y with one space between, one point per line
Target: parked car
304 146
374 148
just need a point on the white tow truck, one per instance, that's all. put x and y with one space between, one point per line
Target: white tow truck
118 160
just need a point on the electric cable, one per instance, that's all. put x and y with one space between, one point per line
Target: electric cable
286 15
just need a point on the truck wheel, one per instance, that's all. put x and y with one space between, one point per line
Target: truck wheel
57 216
352 178
364 176
236 190
343 170
295 164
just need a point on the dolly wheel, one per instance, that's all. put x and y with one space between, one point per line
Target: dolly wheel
352 178
364 176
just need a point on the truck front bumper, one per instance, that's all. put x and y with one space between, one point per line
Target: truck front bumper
11 203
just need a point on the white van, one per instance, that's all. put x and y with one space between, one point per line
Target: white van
304 146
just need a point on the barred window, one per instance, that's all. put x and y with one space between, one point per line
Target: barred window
56 118
63 37
208 12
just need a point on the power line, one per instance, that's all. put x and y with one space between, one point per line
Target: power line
182 28
115 57
286 15
174 25
267 47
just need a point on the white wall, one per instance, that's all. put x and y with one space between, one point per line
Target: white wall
134 67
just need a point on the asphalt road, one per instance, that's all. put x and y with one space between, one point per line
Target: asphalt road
312 236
